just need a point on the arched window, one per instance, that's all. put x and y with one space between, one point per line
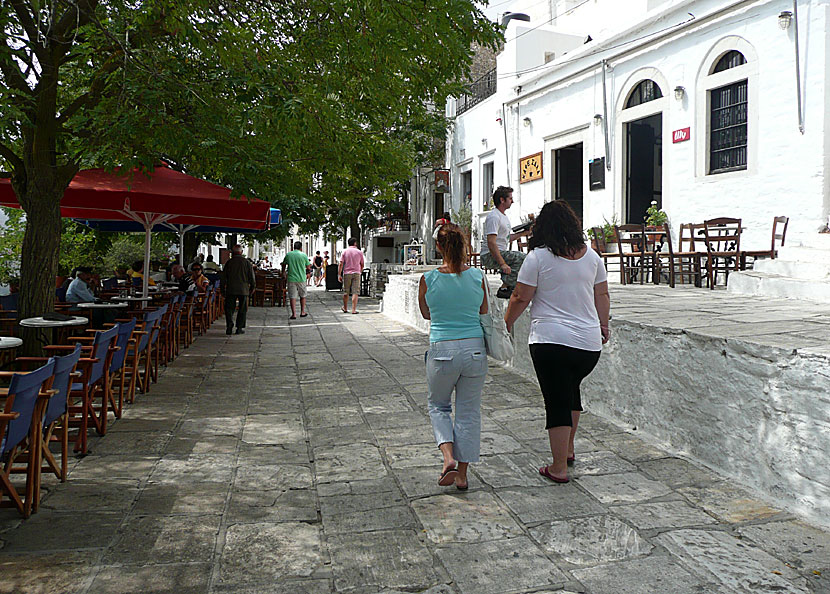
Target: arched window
730 59
645 91
728 119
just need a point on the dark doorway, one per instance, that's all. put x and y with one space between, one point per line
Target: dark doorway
568 183
644 166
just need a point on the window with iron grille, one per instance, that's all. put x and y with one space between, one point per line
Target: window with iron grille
730 59
728 127
645 91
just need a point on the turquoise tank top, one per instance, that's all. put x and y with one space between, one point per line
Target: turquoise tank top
454 301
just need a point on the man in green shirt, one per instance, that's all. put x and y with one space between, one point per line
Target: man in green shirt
298 264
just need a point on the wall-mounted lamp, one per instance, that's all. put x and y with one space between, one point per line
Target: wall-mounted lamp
484 141
679 91
597 119
784 20
526 121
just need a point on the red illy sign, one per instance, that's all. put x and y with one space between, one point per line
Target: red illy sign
681 135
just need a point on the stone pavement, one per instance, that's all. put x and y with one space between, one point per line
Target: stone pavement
298 459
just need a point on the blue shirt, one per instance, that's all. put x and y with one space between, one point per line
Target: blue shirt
78 292
454 301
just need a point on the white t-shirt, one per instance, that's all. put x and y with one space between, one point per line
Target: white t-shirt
563 310
496 224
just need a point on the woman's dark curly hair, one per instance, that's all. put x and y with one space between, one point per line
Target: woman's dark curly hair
558 229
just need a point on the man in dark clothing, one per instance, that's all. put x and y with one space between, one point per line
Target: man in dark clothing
181 276
237 282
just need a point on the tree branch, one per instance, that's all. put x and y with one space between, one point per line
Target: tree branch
30 27
9 155
93 96
12 75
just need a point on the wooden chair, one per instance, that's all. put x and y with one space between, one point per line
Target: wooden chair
630 239
598 237
281 290
722 237
680 266
26 400
779 234
186 322
93 381
263 291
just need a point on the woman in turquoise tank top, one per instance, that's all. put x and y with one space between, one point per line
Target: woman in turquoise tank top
452 297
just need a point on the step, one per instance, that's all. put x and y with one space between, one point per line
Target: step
802 253
764 284
801 270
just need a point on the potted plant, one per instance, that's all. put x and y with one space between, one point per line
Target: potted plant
610 236
655 217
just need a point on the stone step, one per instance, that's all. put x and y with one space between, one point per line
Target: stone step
802 270
765 284
802 253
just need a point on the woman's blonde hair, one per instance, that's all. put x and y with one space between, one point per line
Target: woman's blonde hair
452 244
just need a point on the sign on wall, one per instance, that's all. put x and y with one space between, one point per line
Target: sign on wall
530 168
681 135
596 173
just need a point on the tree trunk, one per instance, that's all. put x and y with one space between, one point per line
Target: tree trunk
354 229
39 265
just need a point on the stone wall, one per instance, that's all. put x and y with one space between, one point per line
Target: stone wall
755 413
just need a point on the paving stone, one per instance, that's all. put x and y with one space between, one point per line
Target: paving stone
514 565
181 579
382 518
326 438
51 573
394 403
406 456
273 429
92 468
52 531
146 539
251 477
728 503
205 468
348 462
287 453
144 426
407 419
678 473
278 551
417 434
133 443
218 444
802 546
361 502
379 488
629 447
664 514
552 502
422 481
600 462
592 540
210 426
187 498
390 559
334 416
272 506
85 495
510 470
658 574
623 488
305 586
499 443
734 565
467 517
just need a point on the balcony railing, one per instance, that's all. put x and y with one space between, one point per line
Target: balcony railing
479 91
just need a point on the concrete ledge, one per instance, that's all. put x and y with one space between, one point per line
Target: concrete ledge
756 409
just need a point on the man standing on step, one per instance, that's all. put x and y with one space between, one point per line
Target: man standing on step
298 264
348 273
497 238
237 282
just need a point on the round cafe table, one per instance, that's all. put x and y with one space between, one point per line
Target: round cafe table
9 342
39 322
97 320
134 302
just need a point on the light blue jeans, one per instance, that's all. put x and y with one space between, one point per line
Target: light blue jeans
459 365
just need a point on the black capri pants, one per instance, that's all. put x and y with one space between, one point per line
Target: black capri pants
560 370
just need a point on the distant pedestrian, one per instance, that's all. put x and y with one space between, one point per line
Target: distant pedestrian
237 283
453 297
298 264
317 265
568 322
325 264
348 273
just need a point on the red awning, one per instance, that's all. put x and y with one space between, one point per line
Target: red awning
175 197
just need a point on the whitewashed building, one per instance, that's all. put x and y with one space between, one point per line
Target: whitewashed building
710 107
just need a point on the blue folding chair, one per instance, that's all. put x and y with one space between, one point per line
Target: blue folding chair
20 429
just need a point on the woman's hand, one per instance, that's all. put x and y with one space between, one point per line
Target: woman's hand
606 334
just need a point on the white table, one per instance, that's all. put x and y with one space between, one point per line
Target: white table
132 298
41 323
107 305
9 342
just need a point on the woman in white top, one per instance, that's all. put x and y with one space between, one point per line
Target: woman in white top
568 286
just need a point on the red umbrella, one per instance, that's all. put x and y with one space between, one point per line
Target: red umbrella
164 196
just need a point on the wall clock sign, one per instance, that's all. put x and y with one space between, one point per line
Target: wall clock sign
530 168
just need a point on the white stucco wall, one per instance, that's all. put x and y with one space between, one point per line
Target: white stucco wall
755 413
787 171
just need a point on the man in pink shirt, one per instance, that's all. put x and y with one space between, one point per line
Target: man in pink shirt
351 265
